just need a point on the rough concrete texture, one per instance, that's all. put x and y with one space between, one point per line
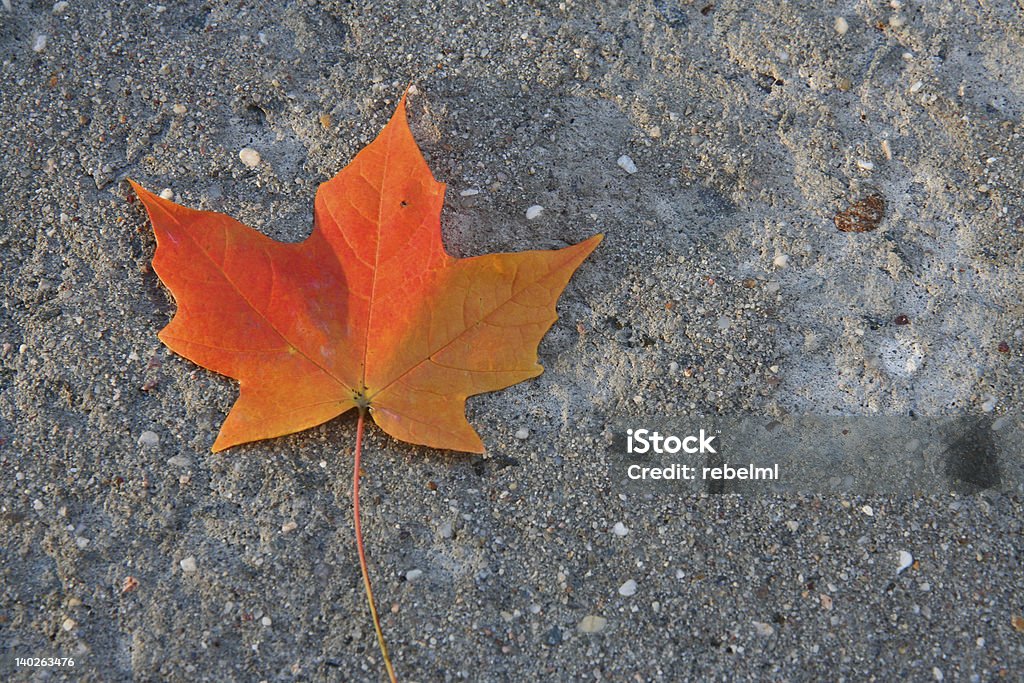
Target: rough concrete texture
723 286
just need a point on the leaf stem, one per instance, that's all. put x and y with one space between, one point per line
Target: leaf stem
359 547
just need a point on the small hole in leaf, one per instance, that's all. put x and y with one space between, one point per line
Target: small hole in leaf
405 203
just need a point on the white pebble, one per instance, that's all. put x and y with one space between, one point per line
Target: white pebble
868 510
37 505
906 559
989 404
793 525
179 461
620 529
68 624
188 565
446 531
628 588
522 433
167 193
179 109
266 621
626 164
937 674
916 87
413 574
39 44
592 624
723 323
289 527
673 367
148 438
249 157
781 261
896 21
534 211
763 629
865 165
59 7
842 26
469 193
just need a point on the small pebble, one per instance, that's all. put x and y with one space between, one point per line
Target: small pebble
167 193
841 26
179 461
522 433
266 621
446 531
592 624
793 525
673 367
620 529
37 505
289 527
626 164
413 574
39 44
148 438
781 261
916 87
989 404
937 674
868 510
534 211
896 21
763 629
68 624
906 559
179 109
249 157
188 565
59 7
469 193
553 637
865 165
628 588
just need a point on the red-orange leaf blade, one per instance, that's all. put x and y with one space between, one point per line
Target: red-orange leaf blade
368 311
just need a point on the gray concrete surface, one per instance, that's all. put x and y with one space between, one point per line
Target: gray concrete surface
723 287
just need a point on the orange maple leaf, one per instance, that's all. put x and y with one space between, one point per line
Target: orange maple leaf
368 312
